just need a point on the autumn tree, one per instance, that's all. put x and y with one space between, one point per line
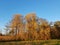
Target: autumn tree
16 24
44 29
31 26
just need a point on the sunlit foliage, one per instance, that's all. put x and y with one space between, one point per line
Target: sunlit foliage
31 27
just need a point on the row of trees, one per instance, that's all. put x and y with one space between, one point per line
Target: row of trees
31 27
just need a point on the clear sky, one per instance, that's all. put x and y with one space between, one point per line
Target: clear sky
48 9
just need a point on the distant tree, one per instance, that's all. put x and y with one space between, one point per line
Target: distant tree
55 30
7 29
57 25
1 33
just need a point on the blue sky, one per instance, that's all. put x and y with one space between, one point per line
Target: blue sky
48 9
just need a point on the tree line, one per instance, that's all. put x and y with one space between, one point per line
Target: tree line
31 27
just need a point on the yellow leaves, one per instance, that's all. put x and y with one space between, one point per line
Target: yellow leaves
30 17
35 25
30 29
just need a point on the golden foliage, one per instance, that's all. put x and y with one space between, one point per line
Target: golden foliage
32 28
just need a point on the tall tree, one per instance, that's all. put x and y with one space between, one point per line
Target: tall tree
16 24
31 25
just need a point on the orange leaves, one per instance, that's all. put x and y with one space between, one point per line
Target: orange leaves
32 28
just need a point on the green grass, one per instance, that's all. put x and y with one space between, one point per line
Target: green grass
41 42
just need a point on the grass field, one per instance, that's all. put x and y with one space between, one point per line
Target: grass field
41 42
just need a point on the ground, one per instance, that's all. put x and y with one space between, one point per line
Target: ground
38 42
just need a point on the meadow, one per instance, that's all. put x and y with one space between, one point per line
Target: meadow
38 42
